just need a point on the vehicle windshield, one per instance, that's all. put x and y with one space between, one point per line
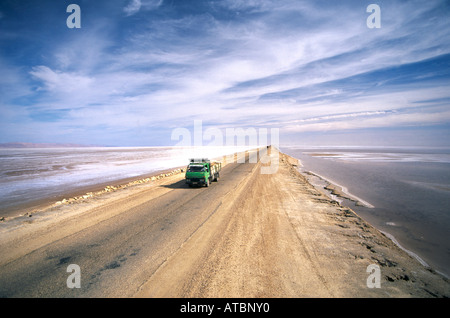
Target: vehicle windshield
197 168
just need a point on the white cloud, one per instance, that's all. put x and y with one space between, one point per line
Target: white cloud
134 6
265 69
391 120
60 82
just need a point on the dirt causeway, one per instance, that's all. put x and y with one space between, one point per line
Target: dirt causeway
248 235
276 236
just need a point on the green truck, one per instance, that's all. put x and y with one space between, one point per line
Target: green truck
202 172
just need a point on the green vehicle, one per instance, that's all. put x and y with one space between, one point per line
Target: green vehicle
202 172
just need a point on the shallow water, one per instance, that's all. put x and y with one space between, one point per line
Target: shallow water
409 189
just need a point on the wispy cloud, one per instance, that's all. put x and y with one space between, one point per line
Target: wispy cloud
135 5
301 66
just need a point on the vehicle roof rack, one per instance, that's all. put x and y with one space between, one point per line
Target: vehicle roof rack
199 160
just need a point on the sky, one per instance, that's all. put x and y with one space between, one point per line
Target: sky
137 70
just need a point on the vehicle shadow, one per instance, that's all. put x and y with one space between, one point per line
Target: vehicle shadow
181 184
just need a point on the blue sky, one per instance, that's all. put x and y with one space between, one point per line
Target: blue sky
138 69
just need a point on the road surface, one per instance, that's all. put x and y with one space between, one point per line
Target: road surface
117 246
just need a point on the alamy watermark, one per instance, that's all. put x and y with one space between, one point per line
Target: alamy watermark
374 279
74 279
233 137
374 19
74 19
249 138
